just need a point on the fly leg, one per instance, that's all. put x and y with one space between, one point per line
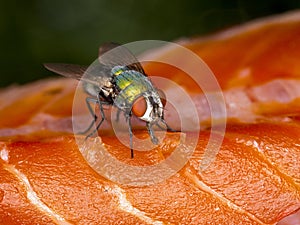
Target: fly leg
128 117
151 133
100 103
118 115
167 126
162 119
88 101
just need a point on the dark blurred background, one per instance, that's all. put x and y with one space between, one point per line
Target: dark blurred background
37 31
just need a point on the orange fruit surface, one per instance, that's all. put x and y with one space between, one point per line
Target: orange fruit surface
254 179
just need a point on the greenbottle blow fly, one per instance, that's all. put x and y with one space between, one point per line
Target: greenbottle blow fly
120 80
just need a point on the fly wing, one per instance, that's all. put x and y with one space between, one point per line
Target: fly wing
67 70
96 74
113 54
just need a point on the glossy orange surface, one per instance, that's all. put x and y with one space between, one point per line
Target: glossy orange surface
255 178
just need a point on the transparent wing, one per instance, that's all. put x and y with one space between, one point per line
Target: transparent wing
67 70
95 74
113 54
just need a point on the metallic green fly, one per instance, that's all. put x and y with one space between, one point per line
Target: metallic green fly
119 80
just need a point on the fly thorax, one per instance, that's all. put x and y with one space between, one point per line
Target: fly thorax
117 70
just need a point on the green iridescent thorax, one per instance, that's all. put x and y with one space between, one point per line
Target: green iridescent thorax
131 84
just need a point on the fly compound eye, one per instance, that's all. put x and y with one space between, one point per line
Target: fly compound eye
139 106
162 97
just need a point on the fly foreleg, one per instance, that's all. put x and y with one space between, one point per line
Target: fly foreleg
151 133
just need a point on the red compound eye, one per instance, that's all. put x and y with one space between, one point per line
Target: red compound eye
162 97
139 106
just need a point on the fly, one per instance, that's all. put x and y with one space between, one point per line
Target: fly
118 79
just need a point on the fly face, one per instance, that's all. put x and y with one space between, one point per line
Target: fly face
148 107
118 79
